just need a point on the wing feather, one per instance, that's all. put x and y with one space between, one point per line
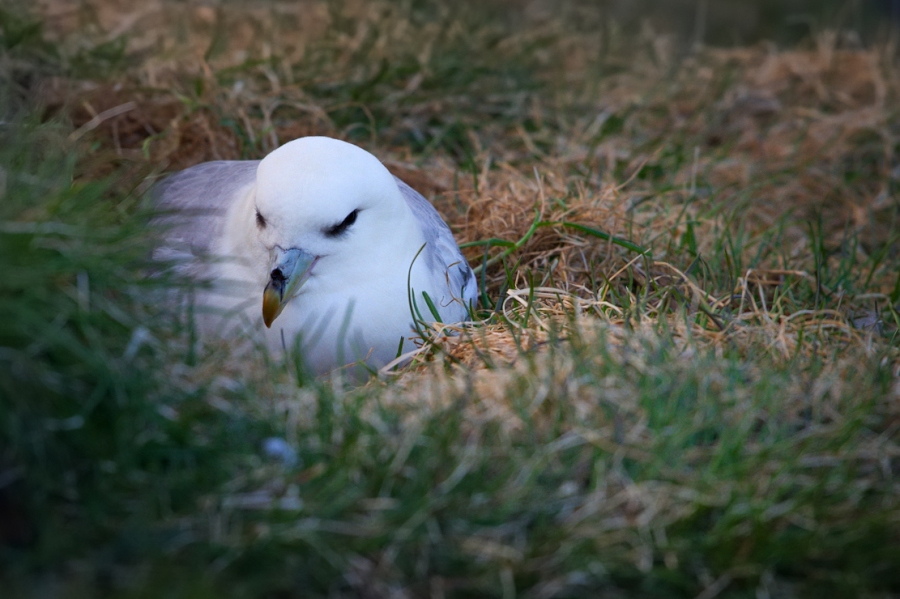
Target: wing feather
194 202
441 250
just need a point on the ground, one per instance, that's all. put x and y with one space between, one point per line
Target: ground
682 379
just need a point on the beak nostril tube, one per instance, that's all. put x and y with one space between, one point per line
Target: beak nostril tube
289 270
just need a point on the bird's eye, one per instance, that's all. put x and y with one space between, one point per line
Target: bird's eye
341 228
260 221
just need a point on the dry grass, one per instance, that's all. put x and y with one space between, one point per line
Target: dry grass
706 402
754 134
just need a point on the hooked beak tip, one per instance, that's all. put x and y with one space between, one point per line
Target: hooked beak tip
289 270
271 305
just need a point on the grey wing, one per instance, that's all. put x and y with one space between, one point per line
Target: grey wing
193 204
441 250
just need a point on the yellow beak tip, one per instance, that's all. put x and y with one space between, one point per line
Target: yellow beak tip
270 307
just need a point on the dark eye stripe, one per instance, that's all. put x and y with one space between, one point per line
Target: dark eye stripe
341 228
260 221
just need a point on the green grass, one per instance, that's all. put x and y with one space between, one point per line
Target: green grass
691 429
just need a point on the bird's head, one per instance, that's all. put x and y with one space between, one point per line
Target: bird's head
323 209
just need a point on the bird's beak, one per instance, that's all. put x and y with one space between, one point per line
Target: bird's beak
290 269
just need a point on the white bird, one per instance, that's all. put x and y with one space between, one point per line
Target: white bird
317 245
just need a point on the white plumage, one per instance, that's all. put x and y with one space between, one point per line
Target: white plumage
327 235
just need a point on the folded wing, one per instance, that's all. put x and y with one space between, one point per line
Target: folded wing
441 251
193 204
